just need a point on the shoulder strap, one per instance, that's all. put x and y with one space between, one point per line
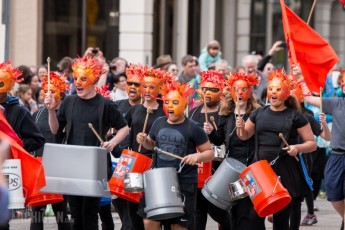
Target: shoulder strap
39 113
197 108
100 116
69 115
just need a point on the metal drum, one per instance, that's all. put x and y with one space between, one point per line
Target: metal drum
162 194
237 190
216 189
219 152
134 182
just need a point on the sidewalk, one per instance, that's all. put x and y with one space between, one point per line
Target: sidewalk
327 219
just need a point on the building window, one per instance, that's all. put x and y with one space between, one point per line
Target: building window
258 25
69 28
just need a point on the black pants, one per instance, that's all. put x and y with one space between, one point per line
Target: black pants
137 221
84 212
280 219
240 214
60 211
204 207
106 217
122 209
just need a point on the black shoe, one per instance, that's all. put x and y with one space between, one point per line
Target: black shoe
342 225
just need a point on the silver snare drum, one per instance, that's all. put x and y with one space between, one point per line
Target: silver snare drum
219 152
237 190
133 182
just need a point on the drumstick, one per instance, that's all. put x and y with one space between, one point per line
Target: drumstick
95 132
48 62
145 124
321 104
214 123
206 119
170 154
238 111
287 145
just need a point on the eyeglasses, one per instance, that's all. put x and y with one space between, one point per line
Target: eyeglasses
133 83
213 90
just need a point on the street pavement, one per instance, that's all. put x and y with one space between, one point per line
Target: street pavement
327 219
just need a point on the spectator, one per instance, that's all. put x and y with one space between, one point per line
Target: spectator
25 98
162 61
278 45
119 92
222 66
172 69
42 71
209 55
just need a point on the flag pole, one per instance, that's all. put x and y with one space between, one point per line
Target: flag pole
311 11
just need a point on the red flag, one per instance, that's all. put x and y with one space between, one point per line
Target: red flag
306 47
32 169
7 128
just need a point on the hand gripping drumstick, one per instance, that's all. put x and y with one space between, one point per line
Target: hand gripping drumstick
287 145
239 112
95 132
214 123
145 124
169 154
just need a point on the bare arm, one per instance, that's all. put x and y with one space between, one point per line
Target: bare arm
244 130
326 132
120 135
205 155
315 101
146 141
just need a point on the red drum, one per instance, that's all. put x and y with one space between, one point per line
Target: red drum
129 162
264 188
41 199
204 172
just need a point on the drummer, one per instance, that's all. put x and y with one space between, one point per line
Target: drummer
151 79
211 88
281 116
179 135
57 87
241 102
75 113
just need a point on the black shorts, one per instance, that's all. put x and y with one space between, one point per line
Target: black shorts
188 219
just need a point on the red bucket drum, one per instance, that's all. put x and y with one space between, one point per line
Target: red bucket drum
264 188
204 172
41 199
129 162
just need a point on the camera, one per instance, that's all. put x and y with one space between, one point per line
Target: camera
94 51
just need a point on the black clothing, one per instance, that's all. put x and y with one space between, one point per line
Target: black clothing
237 148
75 114
173 138
22 123
41 120
135 119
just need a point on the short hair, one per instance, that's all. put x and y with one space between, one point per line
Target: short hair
187 58
116 59
223 62
249 58
23 88
117 77
65 63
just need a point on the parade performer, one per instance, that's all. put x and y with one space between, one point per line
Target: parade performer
75 113
180 135
20 120
58 88
211 88
241 103
334 171
152 79
281 116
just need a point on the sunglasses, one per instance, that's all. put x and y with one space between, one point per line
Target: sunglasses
133 83
213 90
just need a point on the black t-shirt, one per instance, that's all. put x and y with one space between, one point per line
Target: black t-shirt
41 120
173 138
135 119
268 125
123 106
86 111
237 148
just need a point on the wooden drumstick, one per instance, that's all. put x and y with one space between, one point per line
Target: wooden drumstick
321 104
214 123
95 132
145 124
48 63
238 111
170 154
287 145
206 118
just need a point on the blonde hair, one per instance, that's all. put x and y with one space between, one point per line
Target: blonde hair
228 105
